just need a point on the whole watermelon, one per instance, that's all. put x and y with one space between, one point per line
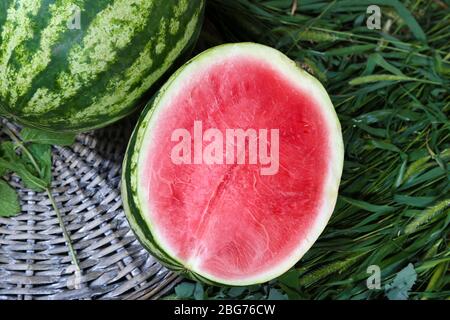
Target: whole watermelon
76 65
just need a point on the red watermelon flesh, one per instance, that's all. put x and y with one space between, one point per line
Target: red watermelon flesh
228 222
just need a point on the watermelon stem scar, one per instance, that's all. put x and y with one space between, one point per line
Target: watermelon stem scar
213 151
233 170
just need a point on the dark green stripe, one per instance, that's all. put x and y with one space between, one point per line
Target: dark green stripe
31 46
4 6
60 56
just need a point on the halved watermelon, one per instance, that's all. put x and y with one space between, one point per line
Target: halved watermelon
217 209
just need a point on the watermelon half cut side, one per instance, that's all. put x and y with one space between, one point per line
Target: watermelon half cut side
219 211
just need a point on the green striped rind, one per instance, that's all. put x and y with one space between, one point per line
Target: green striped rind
61 79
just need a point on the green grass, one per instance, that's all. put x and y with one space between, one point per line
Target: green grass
390 88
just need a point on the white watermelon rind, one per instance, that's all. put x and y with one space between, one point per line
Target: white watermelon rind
136 206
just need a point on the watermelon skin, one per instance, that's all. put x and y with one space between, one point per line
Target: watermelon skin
63 79
143 221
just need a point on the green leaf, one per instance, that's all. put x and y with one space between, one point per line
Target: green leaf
385 146
421 202
185 290
7 157
378 59
275 294
9 201
368 206
290 278
199 293
374 116
402 11
402 284
409 19
357 49
236 291
386 77
7 153
23 167
29 179
292 293
44 137
42 153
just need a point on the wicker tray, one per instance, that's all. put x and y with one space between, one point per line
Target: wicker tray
34 259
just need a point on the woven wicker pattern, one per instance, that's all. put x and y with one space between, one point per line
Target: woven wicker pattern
34 260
